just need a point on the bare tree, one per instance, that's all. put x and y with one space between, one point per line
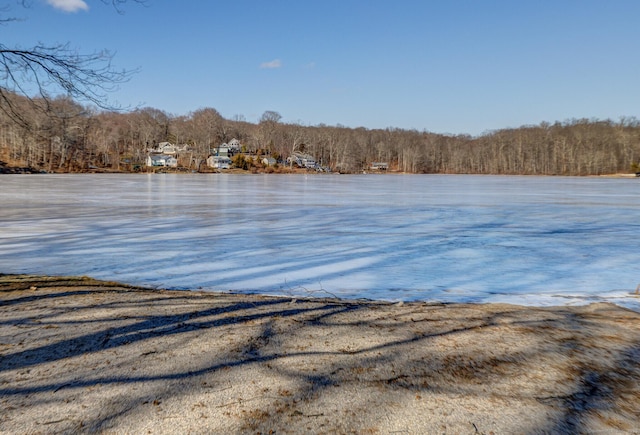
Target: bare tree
296 136
268 124
55 69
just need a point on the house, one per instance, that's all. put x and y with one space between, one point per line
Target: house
221 151
162 160
303 160
226 149
379 166
269 161
219 162
166 148
234 146
169 149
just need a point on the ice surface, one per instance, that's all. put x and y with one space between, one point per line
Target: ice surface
525 240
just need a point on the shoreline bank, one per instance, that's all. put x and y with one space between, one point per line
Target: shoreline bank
81 355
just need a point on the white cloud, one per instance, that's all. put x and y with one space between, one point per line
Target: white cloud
270 65
69 5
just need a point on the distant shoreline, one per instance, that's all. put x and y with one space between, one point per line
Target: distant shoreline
30 171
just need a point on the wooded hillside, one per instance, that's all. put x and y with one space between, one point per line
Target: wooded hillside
61 135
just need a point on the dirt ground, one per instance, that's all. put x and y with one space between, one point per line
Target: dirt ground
83 356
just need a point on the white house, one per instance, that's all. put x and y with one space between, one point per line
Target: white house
166 148
219 162
162 160
234 145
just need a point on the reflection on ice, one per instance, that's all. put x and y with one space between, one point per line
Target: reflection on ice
525 240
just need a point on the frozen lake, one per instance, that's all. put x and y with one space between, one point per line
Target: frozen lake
526 240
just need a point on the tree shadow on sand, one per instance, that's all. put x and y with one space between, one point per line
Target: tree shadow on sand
136 359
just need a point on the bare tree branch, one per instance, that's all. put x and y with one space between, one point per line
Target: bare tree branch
54 68
49 70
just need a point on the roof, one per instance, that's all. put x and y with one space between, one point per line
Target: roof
158 157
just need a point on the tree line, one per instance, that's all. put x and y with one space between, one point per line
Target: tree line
61 135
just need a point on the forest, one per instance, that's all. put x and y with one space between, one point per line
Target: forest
61 135
55 117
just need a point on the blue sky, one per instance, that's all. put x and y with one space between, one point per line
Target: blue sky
450 66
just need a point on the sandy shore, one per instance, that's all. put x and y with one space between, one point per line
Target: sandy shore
79 355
